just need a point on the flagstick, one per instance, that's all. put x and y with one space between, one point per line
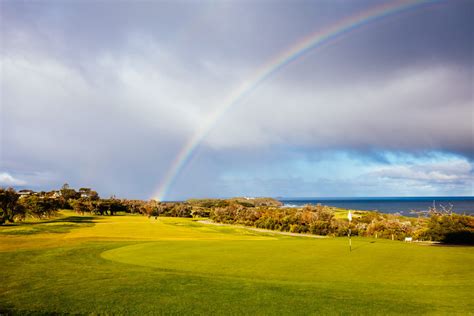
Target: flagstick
349 217
350 241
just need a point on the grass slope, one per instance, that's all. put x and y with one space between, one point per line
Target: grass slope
135 265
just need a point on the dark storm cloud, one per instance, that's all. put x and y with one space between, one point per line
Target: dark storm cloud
253 31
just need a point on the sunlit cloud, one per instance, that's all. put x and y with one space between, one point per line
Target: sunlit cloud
8 180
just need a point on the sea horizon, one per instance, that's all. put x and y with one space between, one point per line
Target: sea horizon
384 204
375 197
387 204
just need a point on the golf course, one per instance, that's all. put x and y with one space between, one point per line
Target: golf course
138 265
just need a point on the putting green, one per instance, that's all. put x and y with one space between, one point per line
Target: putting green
300 260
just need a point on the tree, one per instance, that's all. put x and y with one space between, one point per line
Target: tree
68 193
115 206
9 207
101 207
93 195
82 206
40 207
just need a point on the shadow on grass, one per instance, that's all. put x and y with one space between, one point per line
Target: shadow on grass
55 226
68 219
365 244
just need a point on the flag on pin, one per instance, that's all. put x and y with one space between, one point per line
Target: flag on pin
349 216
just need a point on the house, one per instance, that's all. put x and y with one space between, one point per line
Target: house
85 192
88 193
55 194
23 193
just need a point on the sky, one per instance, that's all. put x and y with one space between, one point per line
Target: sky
106 94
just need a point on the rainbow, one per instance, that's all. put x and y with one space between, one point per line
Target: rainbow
274 65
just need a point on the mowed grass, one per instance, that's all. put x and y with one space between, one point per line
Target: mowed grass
136 265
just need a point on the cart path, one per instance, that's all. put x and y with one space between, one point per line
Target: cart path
261 230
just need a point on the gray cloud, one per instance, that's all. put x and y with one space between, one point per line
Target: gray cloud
105 94
414 109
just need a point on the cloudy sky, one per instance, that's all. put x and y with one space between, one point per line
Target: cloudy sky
105 94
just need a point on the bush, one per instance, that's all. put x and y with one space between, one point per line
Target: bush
200 212
450 228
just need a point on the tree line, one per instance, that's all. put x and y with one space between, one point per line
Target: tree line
435 225
438 224
17 206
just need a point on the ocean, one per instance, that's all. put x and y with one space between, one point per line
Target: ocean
401 205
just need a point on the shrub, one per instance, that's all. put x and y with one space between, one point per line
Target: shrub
450 228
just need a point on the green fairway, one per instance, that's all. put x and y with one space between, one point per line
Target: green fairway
136 265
